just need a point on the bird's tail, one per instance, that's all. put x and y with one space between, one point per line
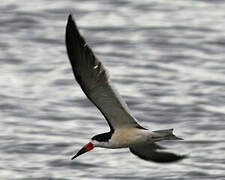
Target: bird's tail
166 134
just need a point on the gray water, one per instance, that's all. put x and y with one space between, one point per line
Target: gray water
167 60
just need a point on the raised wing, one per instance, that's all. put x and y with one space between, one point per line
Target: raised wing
154 152
91 75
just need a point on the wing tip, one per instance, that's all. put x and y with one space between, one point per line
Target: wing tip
70 18
70 21
73 38
72 30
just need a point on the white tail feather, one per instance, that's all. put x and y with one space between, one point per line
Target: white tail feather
165 134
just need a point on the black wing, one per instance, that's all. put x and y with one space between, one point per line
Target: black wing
154 152
91 75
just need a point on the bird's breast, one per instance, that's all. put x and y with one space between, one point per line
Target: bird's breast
126 137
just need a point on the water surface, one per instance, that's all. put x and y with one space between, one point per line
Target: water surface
166 58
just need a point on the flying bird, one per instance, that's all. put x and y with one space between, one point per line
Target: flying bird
125 131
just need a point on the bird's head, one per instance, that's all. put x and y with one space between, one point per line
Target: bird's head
100 140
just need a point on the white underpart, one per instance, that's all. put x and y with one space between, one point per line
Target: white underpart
129 136
125 137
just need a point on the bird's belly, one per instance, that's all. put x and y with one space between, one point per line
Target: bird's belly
123 138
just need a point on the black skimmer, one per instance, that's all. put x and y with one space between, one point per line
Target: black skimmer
125 131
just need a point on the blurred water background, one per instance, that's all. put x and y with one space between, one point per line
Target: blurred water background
166 58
